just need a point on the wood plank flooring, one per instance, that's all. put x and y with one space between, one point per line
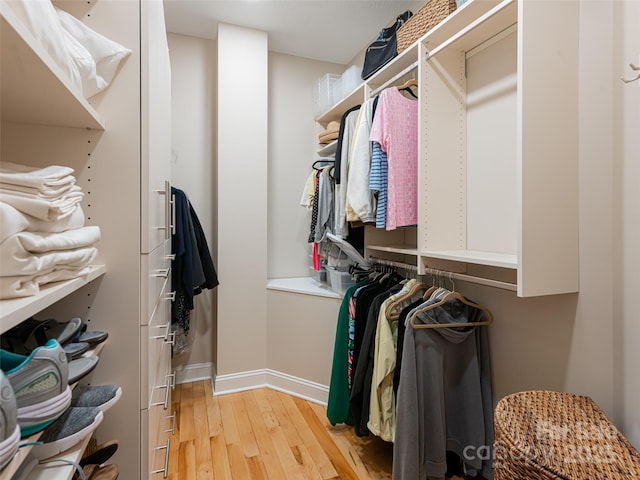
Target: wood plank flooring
266 435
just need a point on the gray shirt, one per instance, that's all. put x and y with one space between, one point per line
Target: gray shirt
444 400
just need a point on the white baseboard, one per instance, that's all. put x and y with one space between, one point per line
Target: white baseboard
298 387
194 372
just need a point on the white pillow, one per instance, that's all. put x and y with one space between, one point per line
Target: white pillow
96 57
40 18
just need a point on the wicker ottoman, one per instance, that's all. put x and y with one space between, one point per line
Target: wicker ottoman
554 435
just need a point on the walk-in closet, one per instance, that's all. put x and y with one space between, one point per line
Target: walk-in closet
243 255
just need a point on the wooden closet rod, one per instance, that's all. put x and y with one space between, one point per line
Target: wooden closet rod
394 79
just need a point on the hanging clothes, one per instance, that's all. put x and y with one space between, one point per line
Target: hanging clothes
338 401
378 180
444 398
342 166
395 128
360 199
192 268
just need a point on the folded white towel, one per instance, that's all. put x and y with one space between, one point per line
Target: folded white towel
27 253
41 208
28 285
14 264
50 192
34 177
13 221
40 242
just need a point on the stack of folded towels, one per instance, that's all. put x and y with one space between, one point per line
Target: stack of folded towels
42 234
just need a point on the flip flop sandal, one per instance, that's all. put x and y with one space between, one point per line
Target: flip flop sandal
92 337
101 454
81 367
31 334
75 349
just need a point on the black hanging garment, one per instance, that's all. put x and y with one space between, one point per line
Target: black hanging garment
192 269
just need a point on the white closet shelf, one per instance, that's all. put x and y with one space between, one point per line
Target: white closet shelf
16 310
328 149
401 249
471 24
503 260
303 285
335 112
34 88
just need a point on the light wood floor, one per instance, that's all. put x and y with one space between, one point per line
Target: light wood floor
266 434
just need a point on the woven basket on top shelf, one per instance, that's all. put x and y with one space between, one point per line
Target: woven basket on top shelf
427 17
544 435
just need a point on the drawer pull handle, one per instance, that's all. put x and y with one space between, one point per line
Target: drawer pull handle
165 470
172 430
170 296
162 272
164 337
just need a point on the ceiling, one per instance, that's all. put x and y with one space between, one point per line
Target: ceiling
328 30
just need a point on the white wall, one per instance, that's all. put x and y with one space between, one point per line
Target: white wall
293 143
242 199
193 170
627 155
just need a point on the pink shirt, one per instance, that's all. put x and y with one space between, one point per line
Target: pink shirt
395 128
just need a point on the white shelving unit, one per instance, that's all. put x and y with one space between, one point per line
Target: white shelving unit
16 310
121 165
497 173
23 98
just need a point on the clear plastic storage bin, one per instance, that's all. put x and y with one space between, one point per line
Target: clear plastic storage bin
327 93
340 281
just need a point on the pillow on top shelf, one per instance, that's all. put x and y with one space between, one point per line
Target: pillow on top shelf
40 18
96 57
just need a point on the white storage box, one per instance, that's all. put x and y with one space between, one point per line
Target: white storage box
351 80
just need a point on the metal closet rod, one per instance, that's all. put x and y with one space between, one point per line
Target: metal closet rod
394 79
447 275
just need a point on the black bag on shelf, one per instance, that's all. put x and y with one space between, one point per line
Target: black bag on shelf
384 49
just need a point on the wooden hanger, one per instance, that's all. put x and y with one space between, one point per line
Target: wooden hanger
388 312
412 82
446 298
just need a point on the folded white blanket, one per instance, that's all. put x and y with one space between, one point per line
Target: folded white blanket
40 242
35 177
12 221
48 192
27 253
28 285
35 263
50 210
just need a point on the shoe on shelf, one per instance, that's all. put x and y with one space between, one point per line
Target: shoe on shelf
99 396
9 428
81 367
40 384
30 334
105 472
99 454
92 337
72 427
75 349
